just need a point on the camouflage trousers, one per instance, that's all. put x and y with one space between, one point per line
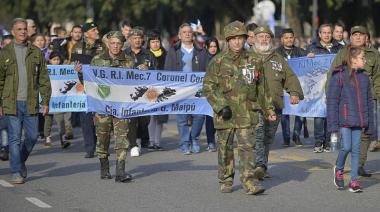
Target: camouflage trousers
226 162
265 133
364 145
104 124
365 139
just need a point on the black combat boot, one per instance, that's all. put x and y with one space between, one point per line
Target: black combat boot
363 173
121 175
64 143
105 169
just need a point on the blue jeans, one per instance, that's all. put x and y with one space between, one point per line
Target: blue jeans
189 137
3 132
285 126
19 151
210 131
320 130
350 142
4 139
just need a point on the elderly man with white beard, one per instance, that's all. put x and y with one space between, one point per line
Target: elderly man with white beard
278 77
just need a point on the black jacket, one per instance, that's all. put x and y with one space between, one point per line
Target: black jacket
173 61
294 52
143 57
317 48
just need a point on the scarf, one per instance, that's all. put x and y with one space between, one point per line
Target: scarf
157 53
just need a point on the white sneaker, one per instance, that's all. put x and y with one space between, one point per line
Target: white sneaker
135 152
48 141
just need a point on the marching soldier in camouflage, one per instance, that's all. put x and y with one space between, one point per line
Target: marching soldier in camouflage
234 88
358 37
114 57
279 77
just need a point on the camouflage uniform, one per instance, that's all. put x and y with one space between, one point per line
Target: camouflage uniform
232 80
372 69
279 77
104 123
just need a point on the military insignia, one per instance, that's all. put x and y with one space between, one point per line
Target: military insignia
249 73
104 91
151 94
276 66
7 60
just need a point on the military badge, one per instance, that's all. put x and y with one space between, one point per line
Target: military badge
276 66
103 91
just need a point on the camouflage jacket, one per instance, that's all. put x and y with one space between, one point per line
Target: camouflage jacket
372 67
104 59
279 77
37 76
232 80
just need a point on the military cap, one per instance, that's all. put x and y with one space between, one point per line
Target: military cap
88 26
360 29
234 29
116 34
136 32
263 29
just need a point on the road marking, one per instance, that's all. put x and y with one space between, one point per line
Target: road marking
6 184
294 157
37 202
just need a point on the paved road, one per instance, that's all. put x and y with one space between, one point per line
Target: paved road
62 180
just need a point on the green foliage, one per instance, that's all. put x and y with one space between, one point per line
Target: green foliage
169 14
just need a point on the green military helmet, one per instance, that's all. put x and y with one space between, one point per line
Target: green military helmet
116 34
136 32
263 29
234 29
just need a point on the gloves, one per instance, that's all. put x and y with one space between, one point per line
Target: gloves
225 113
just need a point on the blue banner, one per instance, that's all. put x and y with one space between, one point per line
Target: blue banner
312 74
128 93
67 91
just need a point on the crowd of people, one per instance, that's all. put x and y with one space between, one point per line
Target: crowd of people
246 75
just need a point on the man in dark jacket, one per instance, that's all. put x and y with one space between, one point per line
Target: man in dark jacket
323 45
65 45
143 60
83 52
288 50
186 56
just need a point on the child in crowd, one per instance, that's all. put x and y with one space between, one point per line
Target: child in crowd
63 119
349 106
